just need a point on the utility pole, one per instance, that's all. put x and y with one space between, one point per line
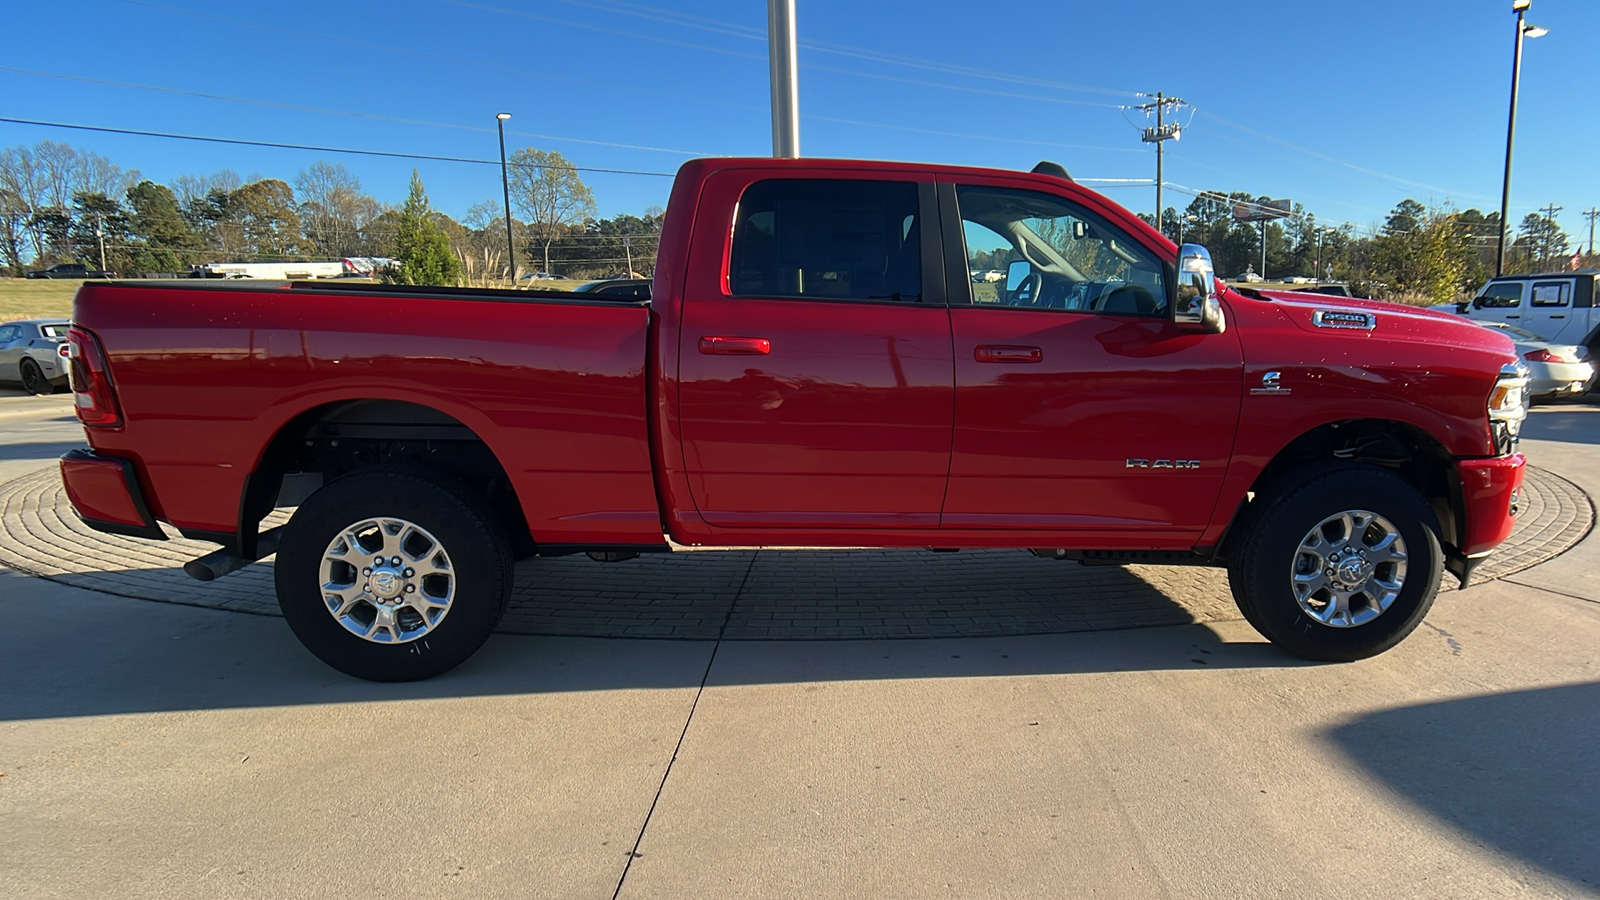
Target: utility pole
1590 214
100 232
1550 228
782 58
505 187
1160 133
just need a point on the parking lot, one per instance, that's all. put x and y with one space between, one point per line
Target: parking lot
1064 732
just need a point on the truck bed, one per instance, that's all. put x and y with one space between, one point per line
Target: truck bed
212 378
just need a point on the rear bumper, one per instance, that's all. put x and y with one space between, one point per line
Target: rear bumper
105 494
1490 488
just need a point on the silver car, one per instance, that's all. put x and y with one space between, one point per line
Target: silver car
1554 370
34 353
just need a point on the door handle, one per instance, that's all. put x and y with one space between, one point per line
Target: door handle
1514 317
1007 353
735 346
1558 315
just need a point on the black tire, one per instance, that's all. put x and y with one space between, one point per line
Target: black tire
1266 557
33 380
442 509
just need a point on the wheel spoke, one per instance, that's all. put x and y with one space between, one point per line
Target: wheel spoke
349 595
1337 610
1309 583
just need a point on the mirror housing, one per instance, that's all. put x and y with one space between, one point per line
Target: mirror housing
1197 306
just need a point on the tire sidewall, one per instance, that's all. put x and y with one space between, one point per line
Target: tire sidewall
1268 598
478 552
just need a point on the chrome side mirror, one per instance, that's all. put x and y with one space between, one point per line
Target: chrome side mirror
1197 307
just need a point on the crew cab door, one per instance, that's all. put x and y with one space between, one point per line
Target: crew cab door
1079 405
815 383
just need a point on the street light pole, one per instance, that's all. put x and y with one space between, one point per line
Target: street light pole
782 59
1519 7
505 186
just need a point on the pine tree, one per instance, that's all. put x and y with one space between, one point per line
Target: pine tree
420 246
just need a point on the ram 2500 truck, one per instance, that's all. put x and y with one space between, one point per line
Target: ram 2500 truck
814 367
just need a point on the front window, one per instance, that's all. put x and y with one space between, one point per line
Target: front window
1500 295
1056 255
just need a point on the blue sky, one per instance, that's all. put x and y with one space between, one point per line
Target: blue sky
1347 107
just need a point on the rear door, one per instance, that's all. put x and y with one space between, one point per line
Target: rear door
815 377
1549 311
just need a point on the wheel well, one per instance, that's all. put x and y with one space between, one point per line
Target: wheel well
1408 451
335 439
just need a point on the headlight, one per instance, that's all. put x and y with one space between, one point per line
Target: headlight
1508 402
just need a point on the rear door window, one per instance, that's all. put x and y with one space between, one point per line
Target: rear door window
827 240
1552 293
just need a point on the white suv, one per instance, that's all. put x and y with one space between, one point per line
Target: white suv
1561 307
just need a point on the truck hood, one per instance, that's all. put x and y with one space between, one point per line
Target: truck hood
1343 317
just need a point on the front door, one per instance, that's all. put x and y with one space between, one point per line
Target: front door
1080 407
815 379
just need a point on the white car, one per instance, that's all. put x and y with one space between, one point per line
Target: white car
1554 370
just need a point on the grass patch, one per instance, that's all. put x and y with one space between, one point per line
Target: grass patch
22 298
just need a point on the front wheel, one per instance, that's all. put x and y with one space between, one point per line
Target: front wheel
393 574
1340 566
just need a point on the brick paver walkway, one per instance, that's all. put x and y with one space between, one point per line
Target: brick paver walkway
759 594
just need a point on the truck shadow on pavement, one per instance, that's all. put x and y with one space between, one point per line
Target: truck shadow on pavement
1514 770
68 653
38 449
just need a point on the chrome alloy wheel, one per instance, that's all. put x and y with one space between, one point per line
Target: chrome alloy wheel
1349 569
387 580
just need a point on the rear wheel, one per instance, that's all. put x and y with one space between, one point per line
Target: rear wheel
33 380
1339 566
393 574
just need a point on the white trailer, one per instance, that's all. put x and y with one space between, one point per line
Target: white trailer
277 271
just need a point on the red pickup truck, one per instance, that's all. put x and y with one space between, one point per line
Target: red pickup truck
815 367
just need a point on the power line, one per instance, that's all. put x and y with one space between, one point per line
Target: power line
282 146
339 112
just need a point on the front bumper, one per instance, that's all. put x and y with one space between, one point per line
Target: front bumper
105 494
1490 489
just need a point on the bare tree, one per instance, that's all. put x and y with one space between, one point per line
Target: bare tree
547 190
333 210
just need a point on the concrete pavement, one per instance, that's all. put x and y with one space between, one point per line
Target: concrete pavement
151 750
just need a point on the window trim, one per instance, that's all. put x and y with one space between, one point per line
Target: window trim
930 245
